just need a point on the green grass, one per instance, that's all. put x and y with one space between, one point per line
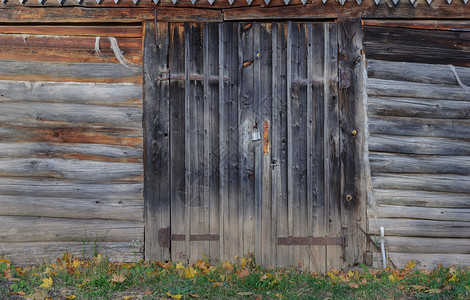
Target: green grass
97 278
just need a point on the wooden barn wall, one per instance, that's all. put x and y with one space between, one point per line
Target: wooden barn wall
418 90
71 165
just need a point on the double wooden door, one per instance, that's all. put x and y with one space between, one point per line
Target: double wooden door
242 142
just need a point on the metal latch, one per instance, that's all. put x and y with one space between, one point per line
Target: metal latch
165 236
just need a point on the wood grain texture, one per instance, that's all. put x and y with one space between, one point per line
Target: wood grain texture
21 70
416 72
129 31
17 229
73 208
48 252
422 228
74 14
421 198
422 213
73 92
451 25
432 183
430 260
419 164
156 138
428 245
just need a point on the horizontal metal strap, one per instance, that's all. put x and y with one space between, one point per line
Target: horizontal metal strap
310 240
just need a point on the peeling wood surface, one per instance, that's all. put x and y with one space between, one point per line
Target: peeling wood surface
71 162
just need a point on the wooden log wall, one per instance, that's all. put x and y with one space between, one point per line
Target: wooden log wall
71 165
419 121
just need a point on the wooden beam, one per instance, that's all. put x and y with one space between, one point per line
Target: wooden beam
74 14
175 14
461 25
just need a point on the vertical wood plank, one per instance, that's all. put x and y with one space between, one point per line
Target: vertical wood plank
177 139
211 67
207 135
257 145
156 138
290 185
222 140
331 142
279 140
187 141
246 121
317 182
196 140
265 113
352 118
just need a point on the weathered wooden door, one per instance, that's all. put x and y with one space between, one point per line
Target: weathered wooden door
243 142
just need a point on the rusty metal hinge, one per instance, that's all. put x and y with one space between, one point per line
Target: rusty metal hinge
165 236
310 240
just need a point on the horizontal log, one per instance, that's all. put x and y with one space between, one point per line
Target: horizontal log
428 245
75 15
37 229
131 137
416 72
72 169
417 54
441 41
405 126
175 14
72 92
420 213
93 152
56 189
421 228
421 198
64 114
72 208
130 31
367 9
68 55
67 42
418 145
425 260
419 164
460 25
384 88
432 183
42 252
22 70
418 108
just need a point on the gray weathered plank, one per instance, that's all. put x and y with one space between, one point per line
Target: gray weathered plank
381 87
246 121
61 114
24 70
331 144
72 169
432 183
429 260
428 245
418 108
92 208
177 139
19 229
422 213
421 198
71 92
156 137
419 164
458 129
48 252
416 72
422 228
418 145
92 152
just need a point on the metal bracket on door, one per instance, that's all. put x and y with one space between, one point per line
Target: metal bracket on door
165 236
